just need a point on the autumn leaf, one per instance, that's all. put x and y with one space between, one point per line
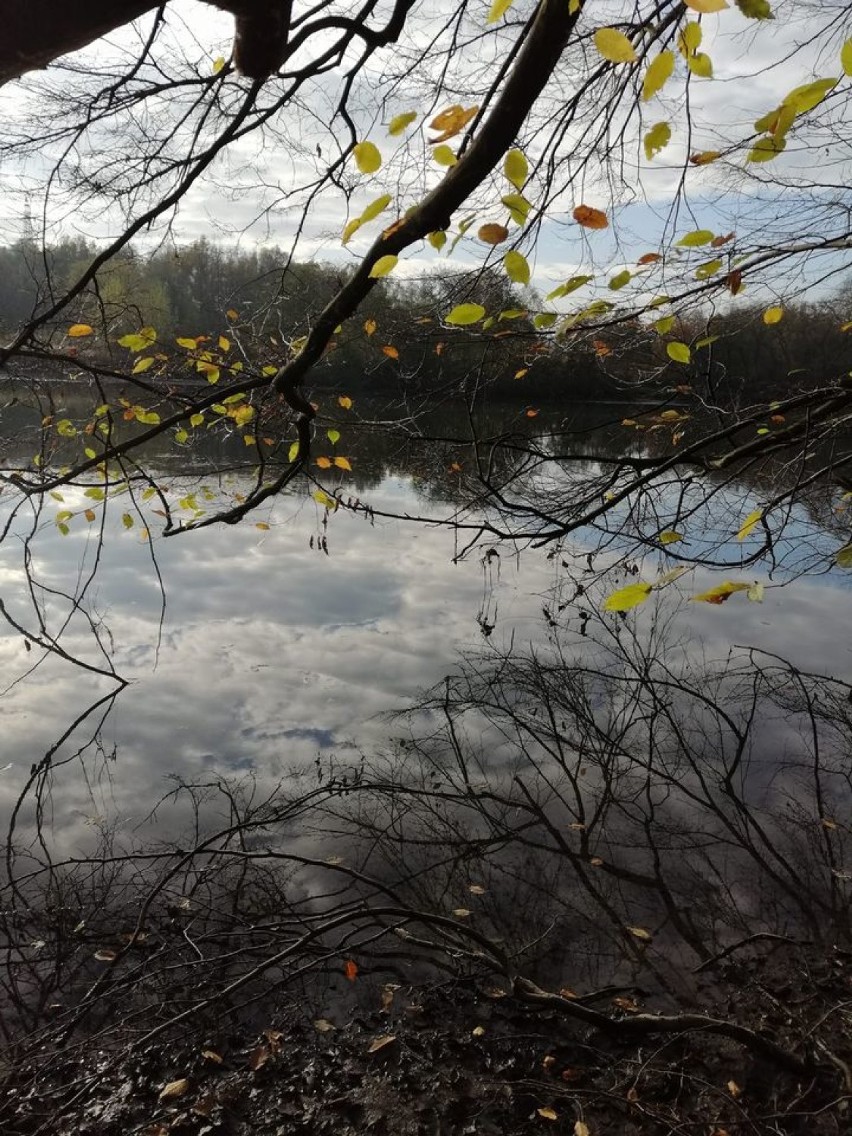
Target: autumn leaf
773 315
390 351
400 121
640 933
350 970
345 401
464 314
367 157
493 234
79 330
614 45
343 463
381 1042
383 266
626 598
370 326
174 1089
589 217
547 1114
721 593
324 463
749 524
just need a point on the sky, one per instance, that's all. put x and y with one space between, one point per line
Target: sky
251 195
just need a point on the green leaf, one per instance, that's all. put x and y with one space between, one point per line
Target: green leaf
708 269
679 352
626 598
464 314
444 156
620 279
127 520
293 452
696 238
518 207
766 149
367 157
805 98
689 39
400 121
333 436
659 72
383 266
516 267
755 9
843 556
670 537
846 57
657 138
515 168
196 420
142 364
544 320
664 325
568 287
437 240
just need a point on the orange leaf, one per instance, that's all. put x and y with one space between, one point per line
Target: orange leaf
735 281
324 463
350 969
493 234
601 348
590 218
649 258
391 352
532 413
369 326
717 242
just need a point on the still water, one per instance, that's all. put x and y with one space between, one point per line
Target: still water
250 649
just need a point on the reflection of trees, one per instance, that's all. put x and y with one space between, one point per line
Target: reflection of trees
592 813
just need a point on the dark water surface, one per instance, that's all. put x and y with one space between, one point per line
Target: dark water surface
273 655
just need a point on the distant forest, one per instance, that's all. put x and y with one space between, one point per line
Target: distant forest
209 289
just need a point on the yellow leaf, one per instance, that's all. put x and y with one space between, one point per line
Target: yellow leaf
670 537
581 1128
390 351
451 121
517 268
626 598
547 1113
748 525
437 240
515 168
174 1089
493 234
232 314
701 65
184 341
142 365
640 933
384 266
367 157
399 122
324 463
659 72
370 326
444 156
755 592
657 138
721 593
678 352
79 330
707 6
324 499
518 207
498 8
224 343
377 206
614 46
773 315
464 314
846 57
350 229
381 1041
343 463
345 401
218 64
689 38
262 525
